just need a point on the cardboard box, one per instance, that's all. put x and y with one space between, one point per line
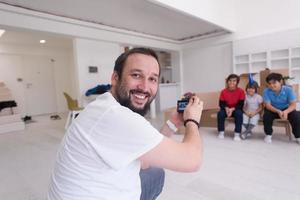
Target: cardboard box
210 99
210 106
244 80
264 73
296 90
284 72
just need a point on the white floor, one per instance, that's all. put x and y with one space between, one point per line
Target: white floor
231 170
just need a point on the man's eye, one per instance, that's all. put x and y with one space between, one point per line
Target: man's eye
136 75
154 80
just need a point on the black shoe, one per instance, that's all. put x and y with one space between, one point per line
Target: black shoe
26 118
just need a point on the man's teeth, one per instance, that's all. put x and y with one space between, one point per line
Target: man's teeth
140 96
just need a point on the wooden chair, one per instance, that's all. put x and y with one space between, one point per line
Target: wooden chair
74 109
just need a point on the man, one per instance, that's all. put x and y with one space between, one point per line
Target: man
280 102
231 103
106 146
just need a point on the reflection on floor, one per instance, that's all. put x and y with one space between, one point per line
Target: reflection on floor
231 170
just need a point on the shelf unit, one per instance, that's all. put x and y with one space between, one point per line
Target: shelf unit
254 62
164 59
295 63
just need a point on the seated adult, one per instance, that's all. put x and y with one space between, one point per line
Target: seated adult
231 103
280 102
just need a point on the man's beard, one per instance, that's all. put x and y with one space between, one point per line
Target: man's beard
123 97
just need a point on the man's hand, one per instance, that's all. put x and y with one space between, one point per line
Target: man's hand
176 118
228 112
194 109
285 114
280 113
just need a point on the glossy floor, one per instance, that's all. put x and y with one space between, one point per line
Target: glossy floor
248 169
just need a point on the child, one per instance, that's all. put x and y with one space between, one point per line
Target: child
280 102
252 108
231 103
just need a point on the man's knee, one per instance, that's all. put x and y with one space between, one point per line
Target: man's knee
152 182
238 113
221 114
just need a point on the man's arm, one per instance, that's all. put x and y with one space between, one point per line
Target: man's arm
185 156
292 107
271 108
175 121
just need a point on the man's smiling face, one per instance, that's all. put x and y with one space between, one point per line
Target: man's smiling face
138 84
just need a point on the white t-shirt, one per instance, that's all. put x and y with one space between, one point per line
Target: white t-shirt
98 158
252 102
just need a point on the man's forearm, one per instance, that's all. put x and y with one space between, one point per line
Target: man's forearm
271 108
192 134
291 107
193 141
166 130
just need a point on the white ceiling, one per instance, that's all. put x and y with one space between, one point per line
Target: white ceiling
21 37
140 16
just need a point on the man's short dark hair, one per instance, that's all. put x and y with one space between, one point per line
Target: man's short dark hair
233 76
119 63
274 77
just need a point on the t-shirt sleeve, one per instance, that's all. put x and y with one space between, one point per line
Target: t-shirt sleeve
291 95
222 96
122 136
266 96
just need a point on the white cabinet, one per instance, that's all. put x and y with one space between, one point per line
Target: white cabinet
258 61
254 62
164 59
295 63
279 59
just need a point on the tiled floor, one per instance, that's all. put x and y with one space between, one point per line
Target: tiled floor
231 170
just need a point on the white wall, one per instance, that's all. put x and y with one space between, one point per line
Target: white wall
176 68
221 13
94 53
271 41
205 68
257 17
12 67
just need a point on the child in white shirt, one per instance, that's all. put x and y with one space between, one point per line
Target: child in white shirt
252 108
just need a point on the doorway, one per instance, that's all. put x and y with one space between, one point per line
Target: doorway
39 85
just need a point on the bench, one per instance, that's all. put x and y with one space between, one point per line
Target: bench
277 122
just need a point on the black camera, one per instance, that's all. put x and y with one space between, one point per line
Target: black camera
181 104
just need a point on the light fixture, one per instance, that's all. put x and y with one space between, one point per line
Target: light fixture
1 32
42 41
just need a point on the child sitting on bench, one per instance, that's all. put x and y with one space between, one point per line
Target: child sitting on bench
280 102
252 108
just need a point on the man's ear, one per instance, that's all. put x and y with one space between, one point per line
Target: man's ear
114 78
281 82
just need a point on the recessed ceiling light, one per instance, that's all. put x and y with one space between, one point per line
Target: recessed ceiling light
1 32
42 41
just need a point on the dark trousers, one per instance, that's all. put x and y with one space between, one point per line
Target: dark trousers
238 120
152 183
293 117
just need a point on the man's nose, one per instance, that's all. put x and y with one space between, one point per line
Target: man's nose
143 84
